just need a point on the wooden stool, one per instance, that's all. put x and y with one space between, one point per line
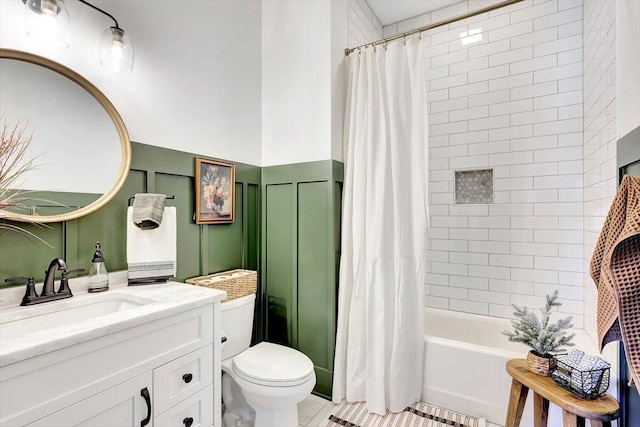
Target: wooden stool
600 412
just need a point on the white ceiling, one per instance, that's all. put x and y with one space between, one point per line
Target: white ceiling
392 11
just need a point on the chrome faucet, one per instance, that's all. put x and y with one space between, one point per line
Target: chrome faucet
48 289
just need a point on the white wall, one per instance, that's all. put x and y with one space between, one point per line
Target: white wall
340 11
600 126
511 102
195 85
353 24
248 81
628 58
296 81
303 75
364 26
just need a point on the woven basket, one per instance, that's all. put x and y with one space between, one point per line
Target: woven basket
541 365
236 283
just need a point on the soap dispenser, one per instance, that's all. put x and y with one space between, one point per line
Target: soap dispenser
98 277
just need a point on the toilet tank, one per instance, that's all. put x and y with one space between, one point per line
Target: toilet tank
237 324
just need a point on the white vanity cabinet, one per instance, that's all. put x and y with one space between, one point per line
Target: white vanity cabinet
159 398
162 372
121 405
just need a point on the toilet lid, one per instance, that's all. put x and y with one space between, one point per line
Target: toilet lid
273 364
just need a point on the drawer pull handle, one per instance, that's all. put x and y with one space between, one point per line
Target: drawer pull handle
223 340
187 422
187 378
147 399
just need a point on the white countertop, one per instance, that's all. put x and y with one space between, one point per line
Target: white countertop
158 301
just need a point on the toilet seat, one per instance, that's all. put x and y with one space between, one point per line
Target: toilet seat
273 365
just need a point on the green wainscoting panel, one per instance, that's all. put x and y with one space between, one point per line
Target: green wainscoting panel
279 262
20 256
201 248
225 240
53 202
313 275
108 225
301 220
287 227
73 240
182 187
252 212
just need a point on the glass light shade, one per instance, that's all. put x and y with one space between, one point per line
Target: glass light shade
116 50
47 21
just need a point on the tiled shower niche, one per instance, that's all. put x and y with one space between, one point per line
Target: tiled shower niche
474 187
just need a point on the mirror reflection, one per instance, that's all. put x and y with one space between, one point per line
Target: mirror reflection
79 147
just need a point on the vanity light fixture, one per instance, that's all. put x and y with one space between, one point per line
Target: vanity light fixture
116 49
48 21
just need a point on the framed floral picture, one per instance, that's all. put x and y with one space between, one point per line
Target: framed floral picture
215 198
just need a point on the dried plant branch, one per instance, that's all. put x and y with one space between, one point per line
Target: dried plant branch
14 164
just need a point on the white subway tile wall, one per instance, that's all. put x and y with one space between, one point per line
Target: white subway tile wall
599 137
363 26
511 101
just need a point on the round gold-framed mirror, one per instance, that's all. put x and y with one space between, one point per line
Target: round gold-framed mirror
84 151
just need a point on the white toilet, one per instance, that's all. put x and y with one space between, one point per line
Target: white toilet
261 385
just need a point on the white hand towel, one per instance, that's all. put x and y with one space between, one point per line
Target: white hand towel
152 253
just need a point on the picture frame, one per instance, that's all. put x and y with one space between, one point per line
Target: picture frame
215 191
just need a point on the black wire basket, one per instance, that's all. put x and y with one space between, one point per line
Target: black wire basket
586 384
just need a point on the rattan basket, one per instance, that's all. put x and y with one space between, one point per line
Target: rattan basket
541 365
236 283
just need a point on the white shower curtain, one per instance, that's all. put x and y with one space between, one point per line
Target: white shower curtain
380 334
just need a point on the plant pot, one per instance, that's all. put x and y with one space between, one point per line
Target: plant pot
541 365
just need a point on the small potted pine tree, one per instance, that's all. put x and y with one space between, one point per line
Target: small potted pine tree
546 338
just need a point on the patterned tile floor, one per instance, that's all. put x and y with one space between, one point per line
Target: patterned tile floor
313 410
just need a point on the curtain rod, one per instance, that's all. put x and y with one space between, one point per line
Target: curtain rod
504 3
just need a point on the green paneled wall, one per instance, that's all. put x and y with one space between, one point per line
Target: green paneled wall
313 275
21 257
202 249
279 263
296 251
301 219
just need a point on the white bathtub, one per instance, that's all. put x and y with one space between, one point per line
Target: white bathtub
465 357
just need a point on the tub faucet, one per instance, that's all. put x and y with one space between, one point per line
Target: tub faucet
49 278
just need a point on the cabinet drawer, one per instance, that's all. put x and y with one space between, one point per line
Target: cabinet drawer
195 411
179 379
